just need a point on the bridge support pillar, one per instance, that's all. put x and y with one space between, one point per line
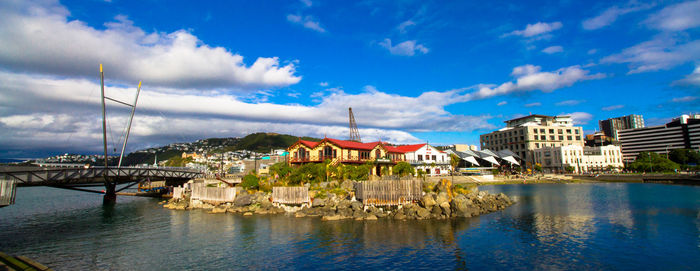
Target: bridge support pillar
110 196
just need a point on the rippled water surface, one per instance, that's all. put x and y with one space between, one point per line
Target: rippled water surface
553 226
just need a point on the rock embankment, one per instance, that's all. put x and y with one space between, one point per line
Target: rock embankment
441 204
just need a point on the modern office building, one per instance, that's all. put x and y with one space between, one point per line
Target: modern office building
525 134
579 158
609 127
681 133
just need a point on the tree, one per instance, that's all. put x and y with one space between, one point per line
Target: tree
684 156
403 169
421 173
454 163
538 167
653 162
570 169
281 169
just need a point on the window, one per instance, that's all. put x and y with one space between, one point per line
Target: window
551 137
364 155
537 145
542 131
561 137
568 138
559 131
378 154
420 157
568 131
522 146
434 158
578 137
328 151
551 131
534 131
576 131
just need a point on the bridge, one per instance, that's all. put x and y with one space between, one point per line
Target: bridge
77 177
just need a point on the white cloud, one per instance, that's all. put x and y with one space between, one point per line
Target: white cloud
307 3
612 107
692 79
40 102
402 26
676 17
323 84
406 48
592 51
502 103
529 77
553 49
129 53
661 53
684 99
537 29
569 102
579 118
533 104
611 14
306 21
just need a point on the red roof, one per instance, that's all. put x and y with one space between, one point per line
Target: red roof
346 144
410 148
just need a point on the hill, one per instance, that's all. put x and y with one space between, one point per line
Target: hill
258 142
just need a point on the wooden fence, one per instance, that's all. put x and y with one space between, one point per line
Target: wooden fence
7 192
178 192
212 195
384 193
291 195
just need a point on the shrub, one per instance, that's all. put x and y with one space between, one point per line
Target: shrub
250 181
403 169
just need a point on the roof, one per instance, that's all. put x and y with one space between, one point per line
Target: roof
530 116
346 144
410 148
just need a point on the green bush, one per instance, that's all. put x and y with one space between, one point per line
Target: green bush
403 169
250 181
653 162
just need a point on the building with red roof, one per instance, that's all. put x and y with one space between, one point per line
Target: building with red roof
381 154
425 157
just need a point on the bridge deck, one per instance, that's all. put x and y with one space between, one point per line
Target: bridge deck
30 176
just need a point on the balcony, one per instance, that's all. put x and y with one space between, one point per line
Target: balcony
427 162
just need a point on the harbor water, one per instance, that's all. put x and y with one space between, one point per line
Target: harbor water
609 226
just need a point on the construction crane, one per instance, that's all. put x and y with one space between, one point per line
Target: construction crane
354 133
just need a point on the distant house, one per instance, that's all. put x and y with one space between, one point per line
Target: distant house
432 161
378 153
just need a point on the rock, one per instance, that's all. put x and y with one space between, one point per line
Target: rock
218 210
247 214
356 205
399 216
333 184
243 200
299 214
348 185
359 214
371 217
331 218
318 203
436 210
445 206
441 198
346 212
422 213
428 200
180 207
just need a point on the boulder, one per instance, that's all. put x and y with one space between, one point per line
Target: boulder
299 214
331 218
441 198
371 217
348 185
356 205
399 216
218 210
318 202
247 214
422 213
428 200
445 206
243 200
436 210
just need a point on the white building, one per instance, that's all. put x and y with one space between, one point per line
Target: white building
581 159
432 161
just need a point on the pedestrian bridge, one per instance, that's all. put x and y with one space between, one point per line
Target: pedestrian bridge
94 176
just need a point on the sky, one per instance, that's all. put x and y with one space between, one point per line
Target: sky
440 72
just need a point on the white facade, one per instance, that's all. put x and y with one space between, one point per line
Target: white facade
582 159
431 160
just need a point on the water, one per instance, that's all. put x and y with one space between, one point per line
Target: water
553 226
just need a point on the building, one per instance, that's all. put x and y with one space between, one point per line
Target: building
578 158
599 139
609 127
432 161
525 134
346 152
681 133
463 147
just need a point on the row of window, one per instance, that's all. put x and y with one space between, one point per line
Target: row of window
427 157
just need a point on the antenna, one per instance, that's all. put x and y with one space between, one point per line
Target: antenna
354 133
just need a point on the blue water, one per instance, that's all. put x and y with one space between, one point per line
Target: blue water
553 226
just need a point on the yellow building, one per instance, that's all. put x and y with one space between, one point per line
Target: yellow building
346 152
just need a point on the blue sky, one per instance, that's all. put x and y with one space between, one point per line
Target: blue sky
413 71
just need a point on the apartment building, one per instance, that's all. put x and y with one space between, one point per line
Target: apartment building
580 158
609 127
524 135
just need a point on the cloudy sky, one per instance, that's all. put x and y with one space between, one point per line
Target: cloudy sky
413 71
